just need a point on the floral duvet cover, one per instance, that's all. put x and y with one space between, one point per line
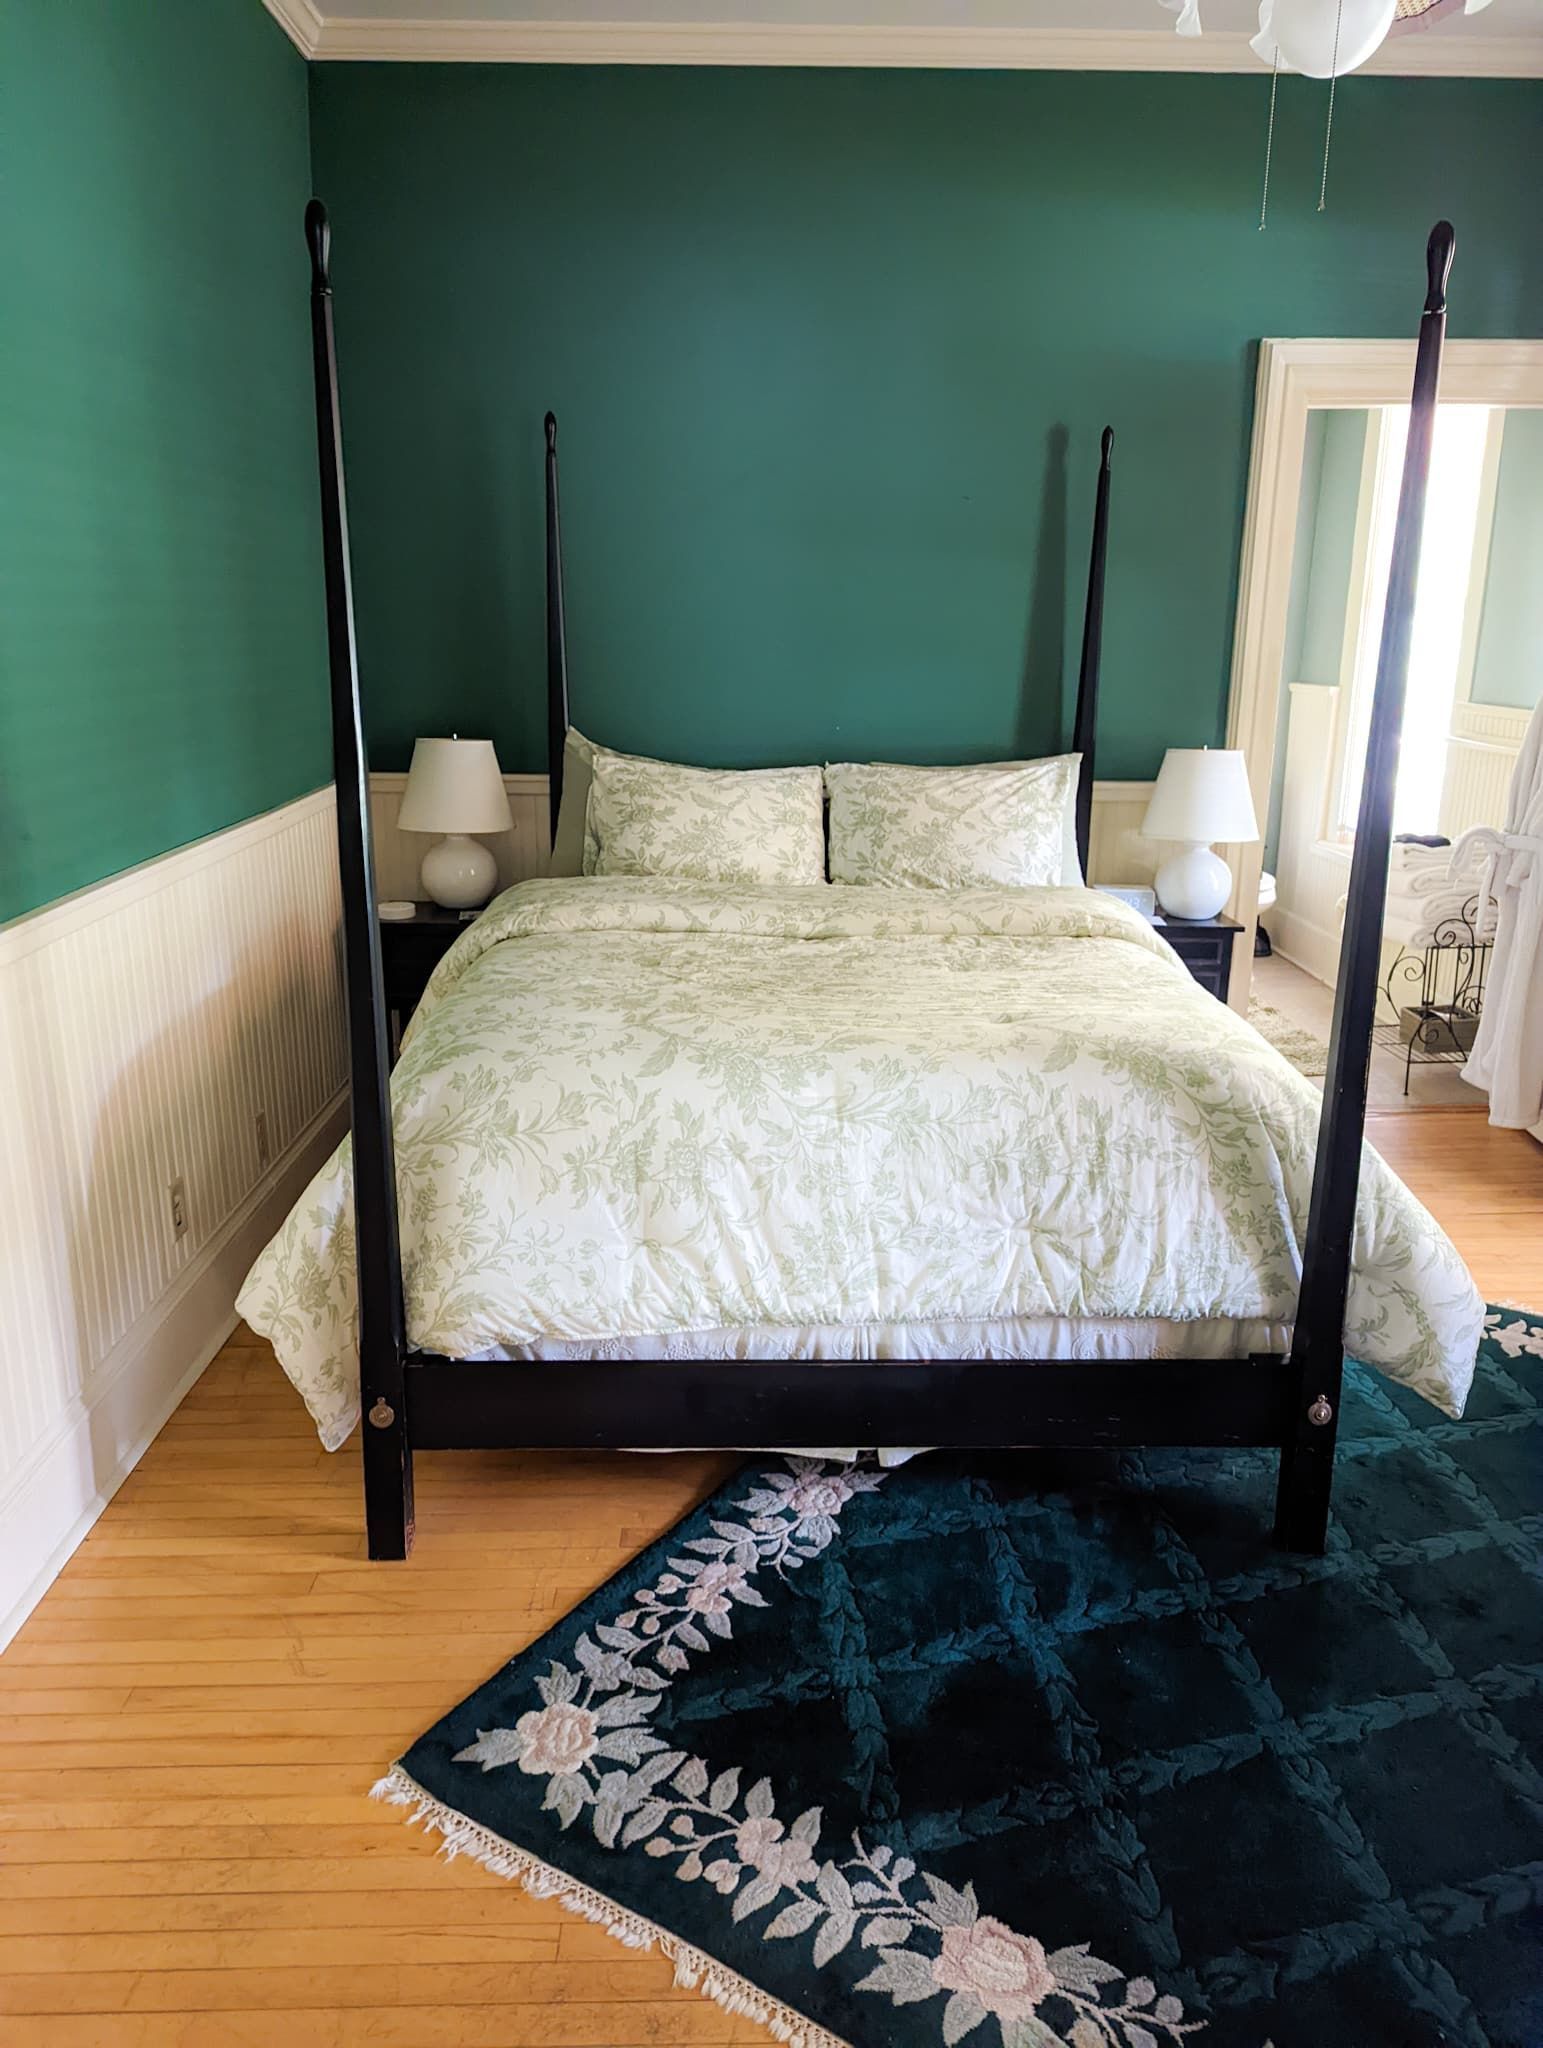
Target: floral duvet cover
631 1108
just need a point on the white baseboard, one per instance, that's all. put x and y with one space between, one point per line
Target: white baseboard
1304 944
72 1475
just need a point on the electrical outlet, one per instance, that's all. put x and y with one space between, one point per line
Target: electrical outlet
179 1208
260 1125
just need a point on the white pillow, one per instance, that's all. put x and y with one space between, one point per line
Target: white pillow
1002 825
703 824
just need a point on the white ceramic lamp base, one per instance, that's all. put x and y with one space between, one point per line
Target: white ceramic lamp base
1194 883
458 873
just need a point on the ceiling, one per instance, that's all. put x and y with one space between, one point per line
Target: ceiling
1505 41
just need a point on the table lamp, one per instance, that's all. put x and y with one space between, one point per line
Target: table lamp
1201 795
454 787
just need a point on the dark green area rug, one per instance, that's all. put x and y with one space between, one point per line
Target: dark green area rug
1060 1753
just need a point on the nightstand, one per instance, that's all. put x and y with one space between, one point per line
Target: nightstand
1204 944
410 949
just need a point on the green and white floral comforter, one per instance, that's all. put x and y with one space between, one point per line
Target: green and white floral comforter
638 1110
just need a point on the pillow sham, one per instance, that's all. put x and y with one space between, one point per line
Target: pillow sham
703 824
1001 825
578 772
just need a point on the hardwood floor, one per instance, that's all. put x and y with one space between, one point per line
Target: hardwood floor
191 1719
1483 1186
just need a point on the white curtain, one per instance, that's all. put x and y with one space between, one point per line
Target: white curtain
1507 1055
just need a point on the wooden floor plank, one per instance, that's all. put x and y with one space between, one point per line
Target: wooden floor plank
191 1720
332 1986
683 2022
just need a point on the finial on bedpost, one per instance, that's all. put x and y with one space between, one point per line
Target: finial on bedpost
318 239
1439 251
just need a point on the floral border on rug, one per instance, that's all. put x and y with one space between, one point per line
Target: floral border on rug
589 1737
1514 1331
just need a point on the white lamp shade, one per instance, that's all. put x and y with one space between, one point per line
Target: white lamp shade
1202 796
454 786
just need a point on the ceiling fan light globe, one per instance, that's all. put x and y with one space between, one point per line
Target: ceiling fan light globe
1304 34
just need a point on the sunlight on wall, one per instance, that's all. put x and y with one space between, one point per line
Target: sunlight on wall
1441 602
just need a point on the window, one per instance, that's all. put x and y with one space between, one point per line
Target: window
1459 472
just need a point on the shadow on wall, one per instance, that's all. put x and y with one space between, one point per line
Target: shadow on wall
1042 723
11 842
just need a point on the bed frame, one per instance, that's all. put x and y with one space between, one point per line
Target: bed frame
415 1401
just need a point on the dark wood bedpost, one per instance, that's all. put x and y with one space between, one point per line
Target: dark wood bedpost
388 1466
556 633
1317 1351
1085 726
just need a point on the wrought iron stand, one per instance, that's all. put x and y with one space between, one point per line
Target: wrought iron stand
1434 994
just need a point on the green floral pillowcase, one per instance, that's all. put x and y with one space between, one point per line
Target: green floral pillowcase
1006 825
704 824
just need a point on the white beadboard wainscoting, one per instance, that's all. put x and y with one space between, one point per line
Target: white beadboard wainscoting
1118 852
1481 759
150 1027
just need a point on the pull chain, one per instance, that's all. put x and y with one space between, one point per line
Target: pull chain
1328 130
1269 142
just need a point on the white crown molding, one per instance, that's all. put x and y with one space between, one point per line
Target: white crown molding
1437 53
300 21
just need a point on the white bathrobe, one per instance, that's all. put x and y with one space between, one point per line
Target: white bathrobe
1507 1055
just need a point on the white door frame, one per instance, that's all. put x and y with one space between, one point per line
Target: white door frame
1294 378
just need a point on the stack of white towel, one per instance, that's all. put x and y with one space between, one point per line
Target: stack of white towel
1429 890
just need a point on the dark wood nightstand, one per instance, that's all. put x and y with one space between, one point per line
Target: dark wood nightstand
410 949
1204 944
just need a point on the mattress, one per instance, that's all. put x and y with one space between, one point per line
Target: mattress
641 1118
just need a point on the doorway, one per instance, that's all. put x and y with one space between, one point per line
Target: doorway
1328 459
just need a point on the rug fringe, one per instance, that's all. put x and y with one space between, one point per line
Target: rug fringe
694 1969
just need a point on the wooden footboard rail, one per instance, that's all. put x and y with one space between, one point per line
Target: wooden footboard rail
414 1400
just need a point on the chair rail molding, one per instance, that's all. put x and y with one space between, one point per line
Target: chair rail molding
1294 378
933 46
1117 852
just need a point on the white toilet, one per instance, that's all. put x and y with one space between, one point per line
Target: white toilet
1262 946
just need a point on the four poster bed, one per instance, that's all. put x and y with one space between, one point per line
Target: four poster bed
822 963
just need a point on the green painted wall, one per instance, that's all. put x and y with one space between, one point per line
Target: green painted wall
1508 662
162 662
1328 591
831 352
1313 443
1333 455
1296 620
